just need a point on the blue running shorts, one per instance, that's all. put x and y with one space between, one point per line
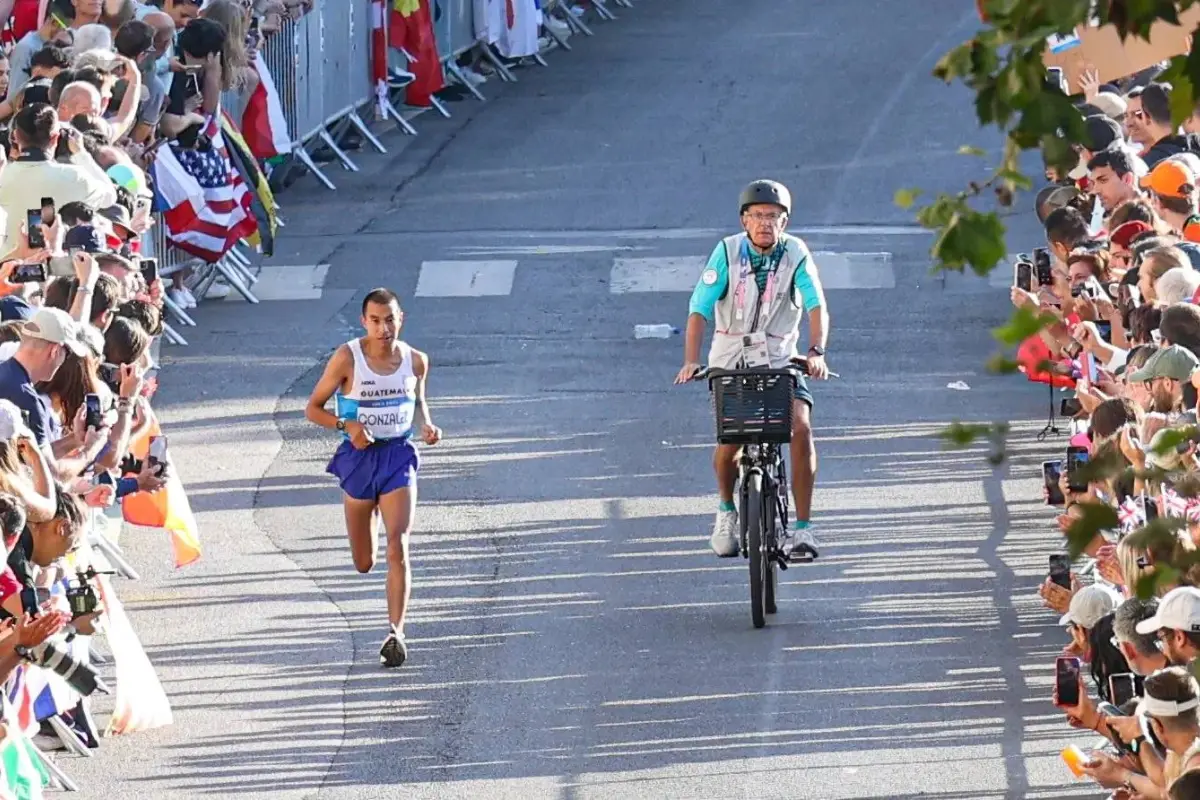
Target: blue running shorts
385 466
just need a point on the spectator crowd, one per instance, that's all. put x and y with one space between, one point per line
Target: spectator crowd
1120 276
95 97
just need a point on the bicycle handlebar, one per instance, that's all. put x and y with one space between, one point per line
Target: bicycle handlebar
799 362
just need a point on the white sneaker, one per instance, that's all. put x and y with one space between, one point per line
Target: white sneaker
472 77
217 291
724 541
803 545
557 25
178 298
188 296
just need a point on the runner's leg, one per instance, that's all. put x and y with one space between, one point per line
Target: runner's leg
398 507
361 530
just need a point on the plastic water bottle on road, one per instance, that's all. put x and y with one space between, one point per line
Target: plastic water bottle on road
661 331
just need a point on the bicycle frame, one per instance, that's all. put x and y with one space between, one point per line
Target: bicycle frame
766 459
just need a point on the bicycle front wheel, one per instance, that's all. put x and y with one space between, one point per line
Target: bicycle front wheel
752 517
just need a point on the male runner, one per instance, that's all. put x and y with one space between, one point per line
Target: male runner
380 385
758 325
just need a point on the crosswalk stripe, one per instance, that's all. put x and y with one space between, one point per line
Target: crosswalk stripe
280 282
838 270
466 278
855 270
662 274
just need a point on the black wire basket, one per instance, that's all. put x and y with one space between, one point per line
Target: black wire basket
754 407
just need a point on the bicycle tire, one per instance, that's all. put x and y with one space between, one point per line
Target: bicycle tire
770 523
753 505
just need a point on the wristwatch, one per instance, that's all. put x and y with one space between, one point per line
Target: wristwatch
817 350
25 654
341 425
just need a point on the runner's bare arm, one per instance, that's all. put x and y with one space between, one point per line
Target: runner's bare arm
429 432
338 373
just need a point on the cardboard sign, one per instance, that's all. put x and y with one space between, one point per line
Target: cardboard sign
1101 49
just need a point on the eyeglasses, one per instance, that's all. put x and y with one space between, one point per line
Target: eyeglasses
764 216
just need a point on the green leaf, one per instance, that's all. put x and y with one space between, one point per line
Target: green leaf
1094 518
1018 179
1160 533
1109 464
971 237
958 435
1000 364
1152 584
954 64
970 150
1024 322
906 198
1168 439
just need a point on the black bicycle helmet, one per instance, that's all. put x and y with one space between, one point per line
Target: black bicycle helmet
771 192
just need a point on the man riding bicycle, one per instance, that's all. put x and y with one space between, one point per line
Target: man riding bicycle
757 324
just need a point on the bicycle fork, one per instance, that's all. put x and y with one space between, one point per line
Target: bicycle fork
774 516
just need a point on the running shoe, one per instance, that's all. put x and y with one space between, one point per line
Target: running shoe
394 652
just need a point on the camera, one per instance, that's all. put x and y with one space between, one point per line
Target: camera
55 655
83 598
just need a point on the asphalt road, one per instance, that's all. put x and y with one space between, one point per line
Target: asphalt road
571 634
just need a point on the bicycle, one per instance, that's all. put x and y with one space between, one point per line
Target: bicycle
753 408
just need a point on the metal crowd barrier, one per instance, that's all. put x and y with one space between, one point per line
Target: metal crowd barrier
234 267
322 68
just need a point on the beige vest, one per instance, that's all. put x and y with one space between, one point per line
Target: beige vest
777 313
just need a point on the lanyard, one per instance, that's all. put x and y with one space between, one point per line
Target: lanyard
762 310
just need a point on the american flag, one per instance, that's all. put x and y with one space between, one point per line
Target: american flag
208 229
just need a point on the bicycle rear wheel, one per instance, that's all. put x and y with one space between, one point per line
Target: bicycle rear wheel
752 519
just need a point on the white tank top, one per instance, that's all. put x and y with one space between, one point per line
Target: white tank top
383 404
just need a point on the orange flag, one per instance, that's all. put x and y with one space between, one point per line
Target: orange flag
167 508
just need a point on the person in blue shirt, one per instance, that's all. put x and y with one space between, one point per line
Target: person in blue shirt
755 289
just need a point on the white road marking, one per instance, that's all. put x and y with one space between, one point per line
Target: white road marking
466 278
680 273
855 270
662 274
279 282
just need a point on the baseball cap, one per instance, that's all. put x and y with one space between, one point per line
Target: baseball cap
1179 610
1174 362
1170 179
89 239
12 423
1110 104
1126 232
57 327
1101 132
1089 605
131 178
